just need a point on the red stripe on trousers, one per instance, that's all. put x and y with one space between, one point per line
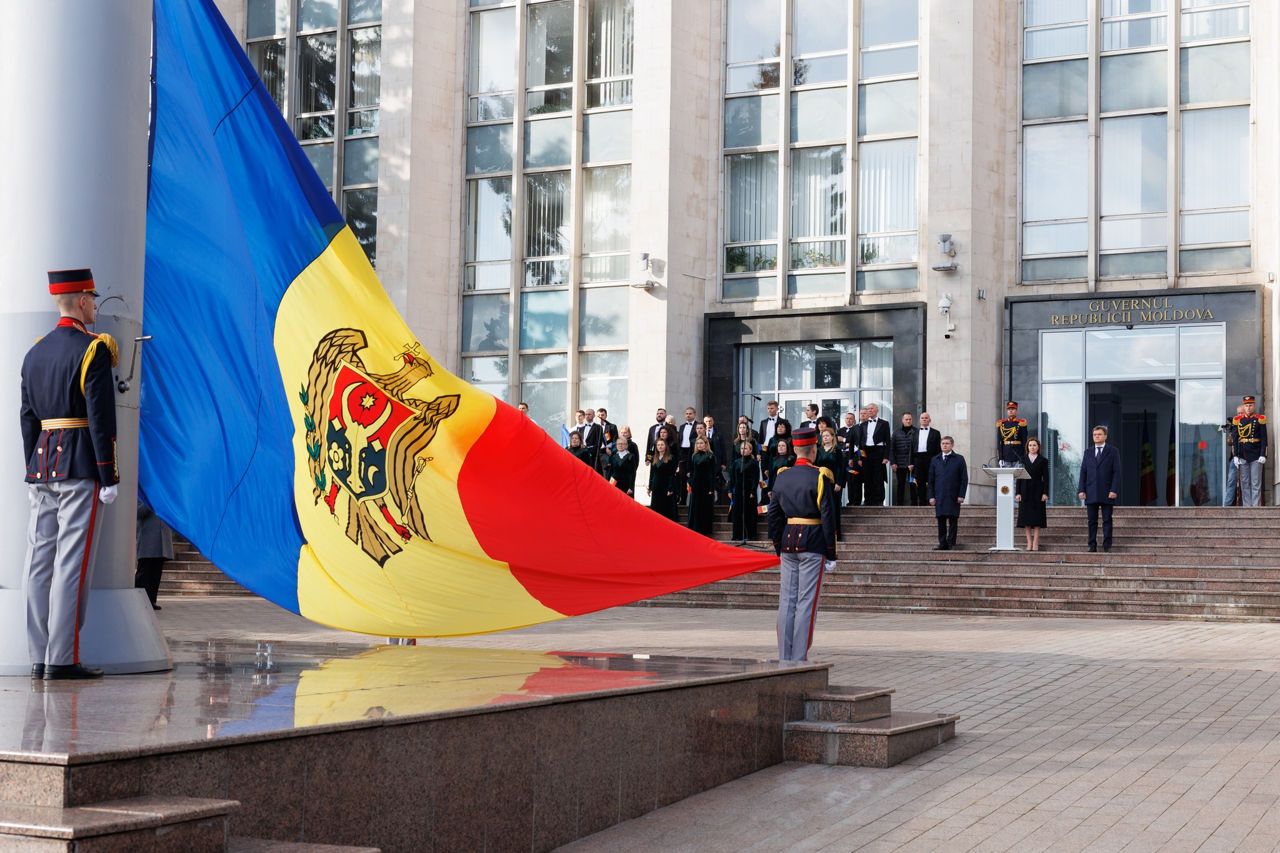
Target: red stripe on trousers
84 568
813 614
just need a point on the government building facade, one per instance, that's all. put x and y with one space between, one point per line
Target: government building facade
923 204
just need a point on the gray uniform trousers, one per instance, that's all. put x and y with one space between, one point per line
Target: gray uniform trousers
59 567
1250 483
798 602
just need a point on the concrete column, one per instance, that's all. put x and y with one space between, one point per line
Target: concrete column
969 71
75 182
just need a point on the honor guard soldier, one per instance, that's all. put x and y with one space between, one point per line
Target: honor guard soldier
803 519
1011 436
1249 454
68 423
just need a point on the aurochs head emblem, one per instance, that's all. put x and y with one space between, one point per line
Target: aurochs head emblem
366 433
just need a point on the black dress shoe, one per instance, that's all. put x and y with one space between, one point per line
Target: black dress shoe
55 671
1106 548
37 670
941 547
1093 549
157 606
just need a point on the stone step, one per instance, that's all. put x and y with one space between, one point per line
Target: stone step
848 704
879 742
239 844
1226 608
140 823
857 581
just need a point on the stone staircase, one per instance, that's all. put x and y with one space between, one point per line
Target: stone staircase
1197 563
1201 563
856 726
190 574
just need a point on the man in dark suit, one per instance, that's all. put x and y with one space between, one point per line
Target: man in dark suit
1099 486
592 436
843 433
874 441
811 416
769 425
928 445
948 482
608 440
653 435
685 434
902 459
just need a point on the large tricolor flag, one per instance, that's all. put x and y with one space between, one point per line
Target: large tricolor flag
296 432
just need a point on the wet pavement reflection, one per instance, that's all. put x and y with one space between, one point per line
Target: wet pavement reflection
229 690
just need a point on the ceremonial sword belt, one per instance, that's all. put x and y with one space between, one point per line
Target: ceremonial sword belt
804 521
64 423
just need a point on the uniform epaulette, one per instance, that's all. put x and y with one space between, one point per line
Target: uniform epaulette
826 472
1236 419
102 340
1262 419
787 468
1022 421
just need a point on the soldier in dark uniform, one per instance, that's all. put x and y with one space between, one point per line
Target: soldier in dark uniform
803 521
68 422
1249 450
1011 436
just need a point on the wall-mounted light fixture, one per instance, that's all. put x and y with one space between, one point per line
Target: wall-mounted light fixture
948 249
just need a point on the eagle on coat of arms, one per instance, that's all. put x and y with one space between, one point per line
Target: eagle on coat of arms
367 438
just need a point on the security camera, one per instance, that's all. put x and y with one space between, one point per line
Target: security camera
944 305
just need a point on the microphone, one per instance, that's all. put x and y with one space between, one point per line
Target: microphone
755 397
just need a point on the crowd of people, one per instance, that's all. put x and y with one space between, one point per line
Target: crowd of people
698 464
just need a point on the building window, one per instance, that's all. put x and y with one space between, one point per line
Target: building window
548 231
839 376
789 170
321 62
1140 52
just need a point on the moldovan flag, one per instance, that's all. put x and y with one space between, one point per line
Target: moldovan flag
296 432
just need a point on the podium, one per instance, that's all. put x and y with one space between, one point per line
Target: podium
1005 503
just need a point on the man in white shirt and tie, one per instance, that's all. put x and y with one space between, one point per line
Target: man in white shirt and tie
875 437
928 445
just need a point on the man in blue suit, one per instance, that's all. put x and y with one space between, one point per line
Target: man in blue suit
1099 486
948 483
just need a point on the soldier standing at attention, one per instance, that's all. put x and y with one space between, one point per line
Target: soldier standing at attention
1011 436
68 422
802 524
1249 451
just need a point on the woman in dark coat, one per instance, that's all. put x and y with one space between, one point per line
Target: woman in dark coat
782 457
702 487
662 480
1033 495
744 478
622 467
578 449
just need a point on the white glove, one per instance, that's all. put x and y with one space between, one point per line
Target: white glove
1262 460
107 494
1235 461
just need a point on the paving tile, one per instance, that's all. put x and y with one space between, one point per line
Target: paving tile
1075 734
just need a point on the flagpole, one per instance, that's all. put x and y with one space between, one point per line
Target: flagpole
75 190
